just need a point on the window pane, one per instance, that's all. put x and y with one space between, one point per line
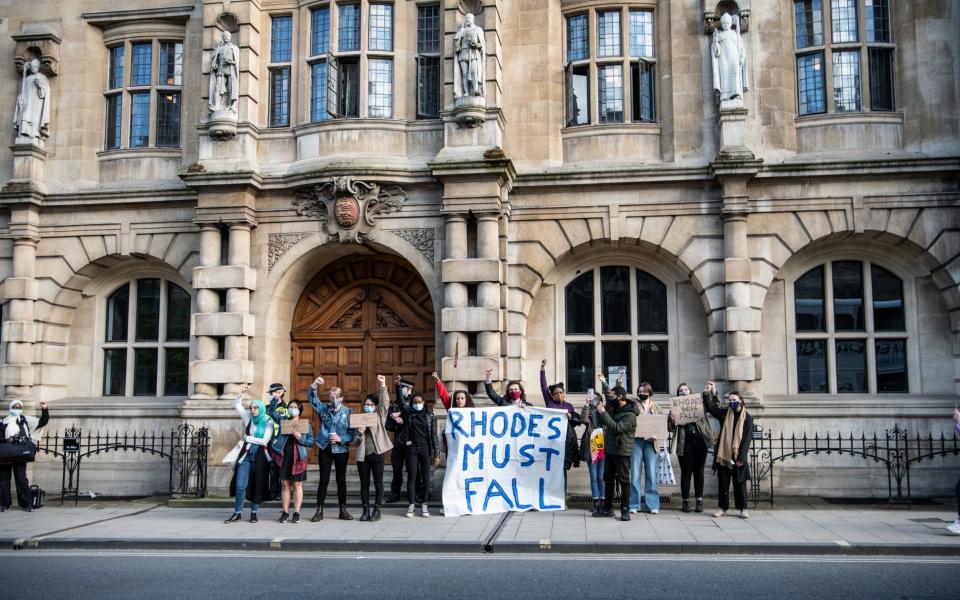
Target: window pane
280 97
114 120
615 299
642 79
168 119
318 92
114 372
808 302
381 27
380 88
349 30
617 354
811 95
428 87
349 88
812 366
881 78
808 15
175 371
611 93
608 33
653 365
428 29
887 300
848 296
641 33
319 31
145 372
851 366
141 56
281 38
579 305
878 20
178 313
580 366
116 68
846 81
892 366
578 42
118 314
148 310
580 101
171 63
139 119
843 14
651 304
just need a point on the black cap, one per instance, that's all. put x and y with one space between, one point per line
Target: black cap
407 383
275 387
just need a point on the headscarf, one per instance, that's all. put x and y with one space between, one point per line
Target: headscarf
261 421
11 404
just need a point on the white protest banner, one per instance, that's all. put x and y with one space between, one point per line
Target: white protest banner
504 459
686 409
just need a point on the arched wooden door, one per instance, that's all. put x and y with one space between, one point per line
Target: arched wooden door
359 317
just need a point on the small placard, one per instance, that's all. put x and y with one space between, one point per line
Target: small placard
367 420
287 426
686 409
652 426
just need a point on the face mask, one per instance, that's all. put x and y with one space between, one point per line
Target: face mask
514 395
418 407
16 412
735 404
368 409
684 392
643 397
404 392
336 401
294 412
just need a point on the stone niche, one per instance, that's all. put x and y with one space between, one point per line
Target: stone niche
41 41
740 11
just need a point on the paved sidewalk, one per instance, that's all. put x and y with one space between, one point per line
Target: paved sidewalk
802 529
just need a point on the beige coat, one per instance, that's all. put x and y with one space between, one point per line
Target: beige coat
376 435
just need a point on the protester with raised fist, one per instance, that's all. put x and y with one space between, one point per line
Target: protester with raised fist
619 426
374 443
14 426
732 452
252 470
460 398
333 439
515 396
692 441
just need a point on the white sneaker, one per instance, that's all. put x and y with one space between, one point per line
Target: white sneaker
410 510
633 511
744 514
719 513
655 511
954 527
424 512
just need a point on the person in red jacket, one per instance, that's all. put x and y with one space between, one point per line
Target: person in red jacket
461 398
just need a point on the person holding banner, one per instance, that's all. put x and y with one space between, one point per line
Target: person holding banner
422 448
289 452
516 395
461 398
333 439
251 472
691 441
645 458
619 426
732 452
372 450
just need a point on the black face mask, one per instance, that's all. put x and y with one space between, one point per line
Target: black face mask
643 397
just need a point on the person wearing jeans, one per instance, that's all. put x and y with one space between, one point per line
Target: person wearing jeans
252 471
645 461
597 488
619 426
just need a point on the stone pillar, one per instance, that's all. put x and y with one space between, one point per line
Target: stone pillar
740 320
208 302
488 292
238 302
455 292
20 291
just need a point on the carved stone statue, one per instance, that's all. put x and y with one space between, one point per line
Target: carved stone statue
470 51
729 60
224 75
31 118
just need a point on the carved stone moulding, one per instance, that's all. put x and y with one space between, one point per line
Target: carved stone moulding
40 41
348 208
740 11
469 111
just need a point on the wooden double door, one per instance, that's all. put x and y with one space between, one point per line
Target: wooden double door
360 317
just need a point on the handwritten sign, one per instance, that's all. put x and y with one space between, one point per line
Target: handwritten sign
367 420
686 409
504 459
287 426
617 376
652 426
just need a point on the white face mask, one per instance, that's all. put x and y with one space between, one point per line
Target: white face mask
418 407
336 400
294 412
368 409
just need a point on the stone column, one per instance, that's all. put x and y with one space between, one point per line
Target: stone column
455 292
739 318
208 302
238 301
488 292
20 290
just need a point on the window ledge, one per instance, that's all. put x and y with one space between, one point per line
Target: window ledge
121 153
614 128
368 123
114 406
892 118
890 407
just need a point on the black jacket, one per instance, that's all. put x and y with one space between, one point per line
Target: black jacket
407 430
743 453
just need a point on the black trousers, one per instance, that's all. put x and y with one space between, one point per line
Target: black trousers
957 490
616 469
418 466
726 476
24 498
371 464
328 459
398 458
691 465
274 478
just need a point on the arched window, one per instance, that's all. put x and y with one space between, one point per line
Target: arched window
616 317
146 349
850 329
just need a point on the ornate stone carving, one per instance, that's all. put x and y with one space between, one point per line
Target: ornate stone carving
31 117
353 204
468 74
728 58
387 317
352 319
279 243
420 238
224 88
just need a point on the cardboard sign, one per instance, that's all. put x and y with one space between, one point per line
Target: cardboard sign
686 409
504 459
368 420
617 376
652 426
287 426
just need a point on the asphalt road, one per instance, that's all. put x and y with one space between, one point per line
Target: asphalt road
172 575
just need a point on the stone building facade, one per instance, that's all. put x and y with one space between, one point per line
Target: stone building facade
352 214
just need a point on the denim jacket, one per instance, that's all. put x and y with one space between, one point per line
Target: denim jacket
278 414
331 422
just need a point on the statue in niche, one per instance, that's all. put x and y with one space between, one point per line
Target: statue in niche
224 75
729 60
31 118
470 51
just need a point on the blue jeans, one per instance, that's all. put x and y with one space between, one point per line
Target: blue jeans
596 479
243 477
645 457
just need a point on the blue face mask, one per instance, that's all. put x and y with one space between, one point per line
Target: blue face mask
418 407
369 409
16 412
735 404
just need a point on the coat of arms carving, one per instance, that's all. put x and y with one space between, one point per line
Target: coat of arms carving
348 208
